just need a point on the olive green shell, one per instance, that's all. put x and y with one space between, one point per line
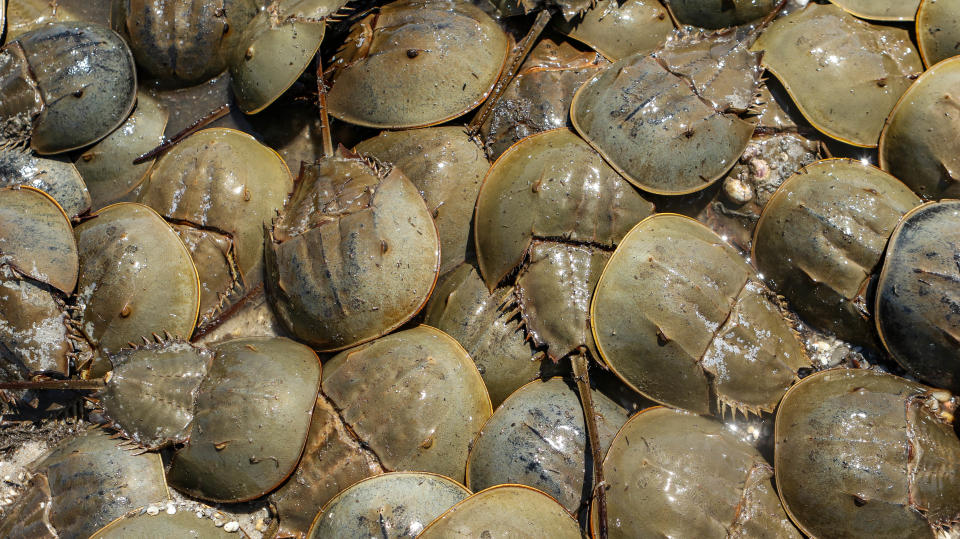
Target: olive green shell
38 268
821 238
419 378
287 29
136 278
36 238
53 175
182 523
447 167
416 63
86 79
26 15
550 186
881 10
538 98
537 438
150 396
919 143
617 28
184 42
918 294
845 74
675 474
671 122
254 317
485 324
229 186
716 14
107 166
354 254
938 30
505 511
681 317
568 9
864 454
253 412
81 485
426 382
389 506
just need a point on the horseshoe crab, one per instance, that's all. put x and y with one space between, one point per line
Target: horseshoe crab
183 43
353 255
482 322
938 30
716 14
617 29
179 524
447 167
391 505
675 474
505 511
220 187
81 485
538 438
423 380
416 63
679 316
65 85
136 278
918 294
672 122
865 454
38 271
881 10
53 175
551 208
918 142
821 237
26 15
844 74
107 166
538 98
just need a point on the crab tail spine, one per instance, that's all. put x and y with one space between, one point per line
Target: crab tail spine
581 372
55 384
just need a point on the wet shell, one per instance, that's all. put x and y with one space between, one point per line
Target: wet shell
392 505
538 98
136 278
26 15
107 167
505 511
184 42
86 81
225 186
680 316
938 30
182 523
36 238
845 74
553 208
81 485
354 254
671 122
918 294
674 474
485 324
715 14
864 454
919 143
821 238
416 63
617 28
447 167
881 10
54 175
422 379
538 438
253 411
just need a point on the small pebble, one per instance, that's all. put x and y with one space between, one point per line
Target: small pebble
153 510
171 509
231 527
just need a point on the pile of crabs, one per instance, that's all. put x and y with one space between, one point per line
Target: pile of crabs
440 268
